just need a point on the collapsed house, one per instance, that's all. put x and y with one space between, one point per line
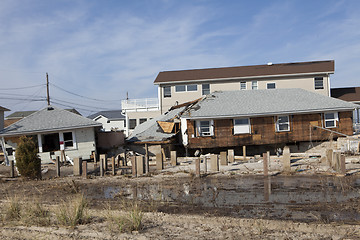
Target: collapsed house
264 119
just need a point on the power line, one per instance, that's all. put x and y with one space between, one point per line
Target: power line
22 87
94 99
79 104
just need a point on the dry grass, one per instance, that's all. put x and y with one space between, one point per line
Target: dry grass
73 212
12 209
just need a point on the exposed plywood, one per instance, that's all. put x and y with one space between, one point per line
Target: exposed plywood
167 127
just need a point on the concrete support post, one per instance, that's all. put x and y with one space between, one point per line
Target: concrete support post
113 166
77 166
147 166
223 158
197 167
231 156
101 164
329 157
57 166
159 162
84 169
133 166
140 165
214 163
265 164
286 159
244 153
12 169
173 158
342 165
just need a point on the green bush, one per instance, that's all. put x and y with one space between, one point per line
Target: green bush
27 159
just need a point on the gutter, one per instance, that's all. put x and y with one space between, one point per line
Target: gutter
240 78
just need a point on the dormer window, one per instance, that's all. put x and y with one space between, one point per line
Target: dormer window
319 83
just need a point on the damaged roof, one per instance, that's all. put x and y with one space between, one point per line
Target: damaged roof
111 115
150 131
48 119
247 103
267 70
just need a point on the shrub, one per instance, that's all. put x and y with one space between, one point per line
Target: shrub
128 222
27 159
13 209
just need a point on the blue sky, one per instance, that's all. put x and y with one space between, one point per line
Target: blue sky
103 49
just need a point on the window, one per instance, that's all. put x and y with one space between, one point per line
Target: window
270 86
205 89
242 85
180 88
132 123
124 123
108 121
242 125
330 119
319 83
282 124
167 92
68 139
205 127
191 88
142 120
254 85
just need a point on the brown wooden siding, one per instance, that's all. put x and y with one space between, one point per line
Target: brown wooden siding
263 131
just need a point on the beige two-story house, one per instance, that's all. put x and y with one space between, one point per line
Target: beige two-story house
176 87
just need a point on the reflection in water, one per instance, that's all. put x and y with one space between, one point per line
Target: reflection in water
292 197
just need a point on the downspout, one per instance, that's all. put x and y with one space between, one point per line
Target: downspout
328 80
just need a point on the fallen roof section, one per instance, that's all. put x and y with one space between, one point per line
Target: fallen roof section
47 120
248 103
314 67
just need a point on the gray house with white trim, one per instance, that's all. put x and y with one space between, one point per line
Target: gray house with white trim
54 129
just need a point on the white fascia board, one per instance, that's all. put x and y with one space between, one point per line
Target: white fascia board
272 113
241 78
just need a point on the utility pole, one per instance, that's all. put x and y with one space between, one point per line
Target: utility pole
47 89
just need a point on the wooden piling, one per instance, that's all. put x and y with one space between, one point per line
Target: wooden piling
329 157
77 166
214 163
231 157
159 162
12 169
57 166
205 164
342 165
139 165
286 160
197 167
244 153
268 157
113 165
147 165
173 158
223 159
265 164
101 164
84 169
133 166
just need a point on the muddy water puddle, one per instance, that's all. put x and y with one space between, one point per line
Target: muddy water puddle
315 198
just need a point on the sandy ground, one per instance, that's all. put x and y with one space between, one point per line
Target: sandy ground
158 224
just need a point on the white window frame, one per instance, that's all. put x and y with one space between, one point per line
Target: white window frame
278 124
241 128
335 119
165 92
267 85
254 85
133 120
180 88
242 85
317 80
61 135
207 89
199 128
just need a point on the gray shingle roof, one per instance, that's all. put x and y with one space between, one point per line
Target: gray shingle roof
264 102
47 120
111 115
150 131
22 114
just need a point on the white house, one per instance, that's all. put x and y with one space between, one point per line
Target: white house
53 129
112 120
